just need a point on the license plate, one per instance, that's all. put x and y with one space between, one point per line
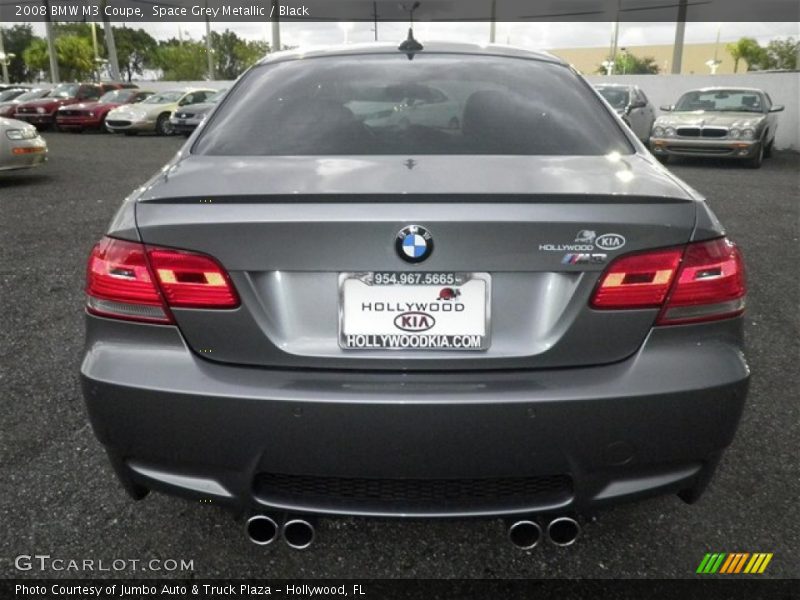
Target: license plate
414 311
181 121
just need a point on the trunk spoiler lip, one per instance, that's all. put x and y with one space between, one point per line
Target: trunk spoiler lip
428 198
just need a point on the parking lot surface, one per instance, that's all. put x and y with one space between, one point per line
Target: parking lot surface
59 495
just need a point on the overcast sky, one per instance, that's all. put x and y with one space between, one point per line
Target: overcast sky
529 35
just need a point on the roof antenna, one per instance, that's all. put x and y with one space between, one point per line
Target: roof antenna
410 46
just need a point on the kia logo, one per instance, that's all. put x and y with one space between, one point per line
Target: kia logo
414 321
610 241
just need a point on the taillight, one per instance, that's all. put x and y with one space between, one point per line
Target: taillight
119 283
190 280
128 280
699 282
638 280
710 285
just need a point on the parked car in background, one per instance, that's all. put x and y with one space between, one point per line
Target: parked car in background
11 86
406 105
21 147
737 123
630 103
153 113
9 107
42 113
11 93
92 115
186 119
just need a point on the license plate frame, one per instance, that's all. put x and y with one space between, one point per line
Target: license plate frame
429 280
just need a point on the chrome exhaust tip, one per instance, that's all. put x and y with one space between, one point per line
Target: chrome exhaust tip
298 534
563 531
525 534
261 530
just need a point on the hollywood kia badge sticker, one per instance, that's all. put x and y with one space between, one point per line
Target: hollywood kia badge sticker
583 248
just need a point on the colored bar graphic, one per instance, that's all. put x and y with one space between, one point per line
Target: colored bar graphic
765 563
703 563
734 563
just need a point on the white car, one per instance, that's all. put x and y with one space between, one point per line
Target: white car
152 114
21 146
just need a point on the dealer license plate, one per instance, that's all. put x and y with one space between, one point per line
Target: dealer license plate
414 311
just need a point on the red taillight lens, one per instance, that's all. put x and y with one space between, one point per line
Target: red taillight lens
119 284
638 280
127 280
710 285
191 280
700 282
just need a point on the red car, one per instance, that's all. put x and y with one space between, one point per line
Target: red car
42 112
92 115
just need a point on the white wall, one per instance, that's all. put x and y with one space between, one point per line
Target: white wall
783 88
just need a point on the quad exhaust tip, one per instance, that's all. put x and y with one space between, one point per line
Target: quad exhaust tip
525 534
298 534
563 531
261 530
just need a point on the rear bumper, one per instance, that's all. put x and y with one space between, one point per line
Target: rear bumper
395 444
741 149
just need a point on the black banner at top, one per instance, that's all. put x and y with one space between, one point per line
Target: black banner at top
133 11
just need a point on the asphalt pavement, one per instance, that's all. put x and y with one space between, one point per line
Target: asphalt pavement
59 496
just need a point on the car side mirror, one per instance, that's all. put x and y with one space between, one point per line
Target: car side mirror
776 108
637 104
666 107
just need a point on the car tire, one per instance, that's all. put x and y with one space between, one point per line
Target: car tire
768 149
163 126
758 159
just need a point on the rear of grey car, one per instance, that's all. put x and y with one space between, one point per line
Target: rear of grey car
304 314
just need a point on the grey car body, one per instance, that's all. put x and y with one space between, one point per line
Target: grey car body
632 105
260 408
21 146
738 123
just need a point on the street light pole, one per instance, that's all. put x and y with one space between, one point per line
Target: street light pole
113 63
51 44
493 26
276 28
209 50
3 58
680 30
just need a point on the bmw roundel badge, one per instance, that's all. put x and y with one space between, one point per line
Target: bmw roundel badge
414 244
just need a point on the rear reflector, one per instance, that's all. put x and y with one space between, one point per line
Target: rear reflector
128 280
699 282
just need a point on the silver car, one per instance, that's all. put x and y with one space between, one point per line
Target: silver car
632 105
21 146
720 122
305 313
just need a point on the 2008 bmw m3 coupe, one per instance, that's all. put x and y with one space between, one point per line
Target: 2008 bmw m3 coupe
494 303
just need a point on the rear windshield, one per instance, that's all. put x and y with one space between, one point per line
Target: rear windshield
435 104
